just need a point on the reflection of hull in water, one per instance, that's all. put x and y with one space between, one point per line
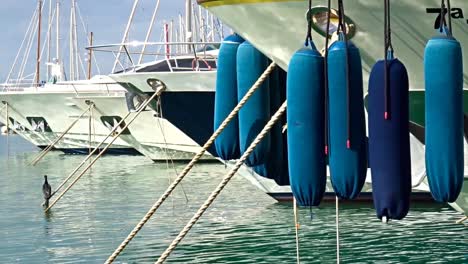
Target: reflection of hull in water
277 29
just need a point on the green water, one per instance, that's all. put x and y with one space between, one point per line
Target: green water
243 226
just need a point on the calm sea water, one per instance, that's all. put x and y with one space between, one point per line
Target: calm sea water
243 226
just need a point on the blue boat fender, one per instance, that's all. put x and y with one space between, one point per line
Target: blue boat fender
227 143
255 114
389 143
347 128
306 126
443 74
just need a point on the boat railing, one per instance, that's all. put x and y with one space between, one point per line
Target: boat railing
179 56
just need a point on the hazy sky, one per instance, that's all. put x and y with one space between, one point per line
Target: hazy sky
106 18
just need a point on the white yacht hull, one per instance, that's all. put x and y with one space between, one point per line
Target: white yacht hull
278 28
55 104
154 137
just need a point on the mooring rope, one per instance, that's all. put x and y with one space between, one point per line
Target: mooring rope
337 216
50 146
189 166
8 128
105 149
296 226
222 185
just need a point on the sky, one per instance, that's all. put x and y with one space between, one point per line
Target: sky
107 19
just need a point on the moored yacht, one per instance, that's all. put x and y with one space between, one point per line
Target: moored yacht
277 29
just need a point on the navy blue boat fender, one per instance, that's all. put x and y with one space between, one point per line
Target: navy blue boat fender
443 74
255 114
306 124
347 128
275 166
227 143
389 143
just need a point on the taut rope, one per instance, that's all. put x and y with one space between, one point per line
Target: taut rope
105 149
223 184
186 170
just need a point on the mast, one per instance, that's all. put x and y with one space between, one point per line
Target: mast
148 34
188 23
212 28
72 64
75 41
166 40
38 57
125 36
49 38
57 32
90 55
181 33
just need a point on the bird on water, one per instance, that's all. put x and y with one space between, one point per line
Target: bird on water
47 191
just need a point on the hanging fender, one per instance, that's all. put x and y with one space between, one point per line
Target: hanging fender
347 128
389 143
227 143
255 114
306 125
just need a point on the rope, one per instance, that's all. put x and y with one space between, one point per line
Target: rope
189 166
90 118
104 150
325 70
443 22
222 185
50 146
7 129
388 54
337 231
308 40
296 226
343 33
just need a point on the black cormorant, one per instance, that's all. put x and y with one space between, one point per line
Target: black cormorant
47 191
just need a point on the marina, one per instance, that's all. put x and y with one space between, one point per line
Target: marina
243 226
314 131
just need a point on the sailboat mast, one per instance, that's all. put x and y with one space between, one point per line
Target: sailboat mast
38 57
125 36
72 64
49 38
75 41
166 40
90 55
188 23
148 33
57 33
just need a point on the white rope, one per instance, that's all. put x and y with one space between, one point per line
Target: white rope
337 216
296 227
222 185
87 36
142 107
189 166
157 93
168 154
21 46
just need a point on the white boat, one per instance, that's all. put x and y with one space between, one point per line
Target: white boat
42 114
277 29
187 100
